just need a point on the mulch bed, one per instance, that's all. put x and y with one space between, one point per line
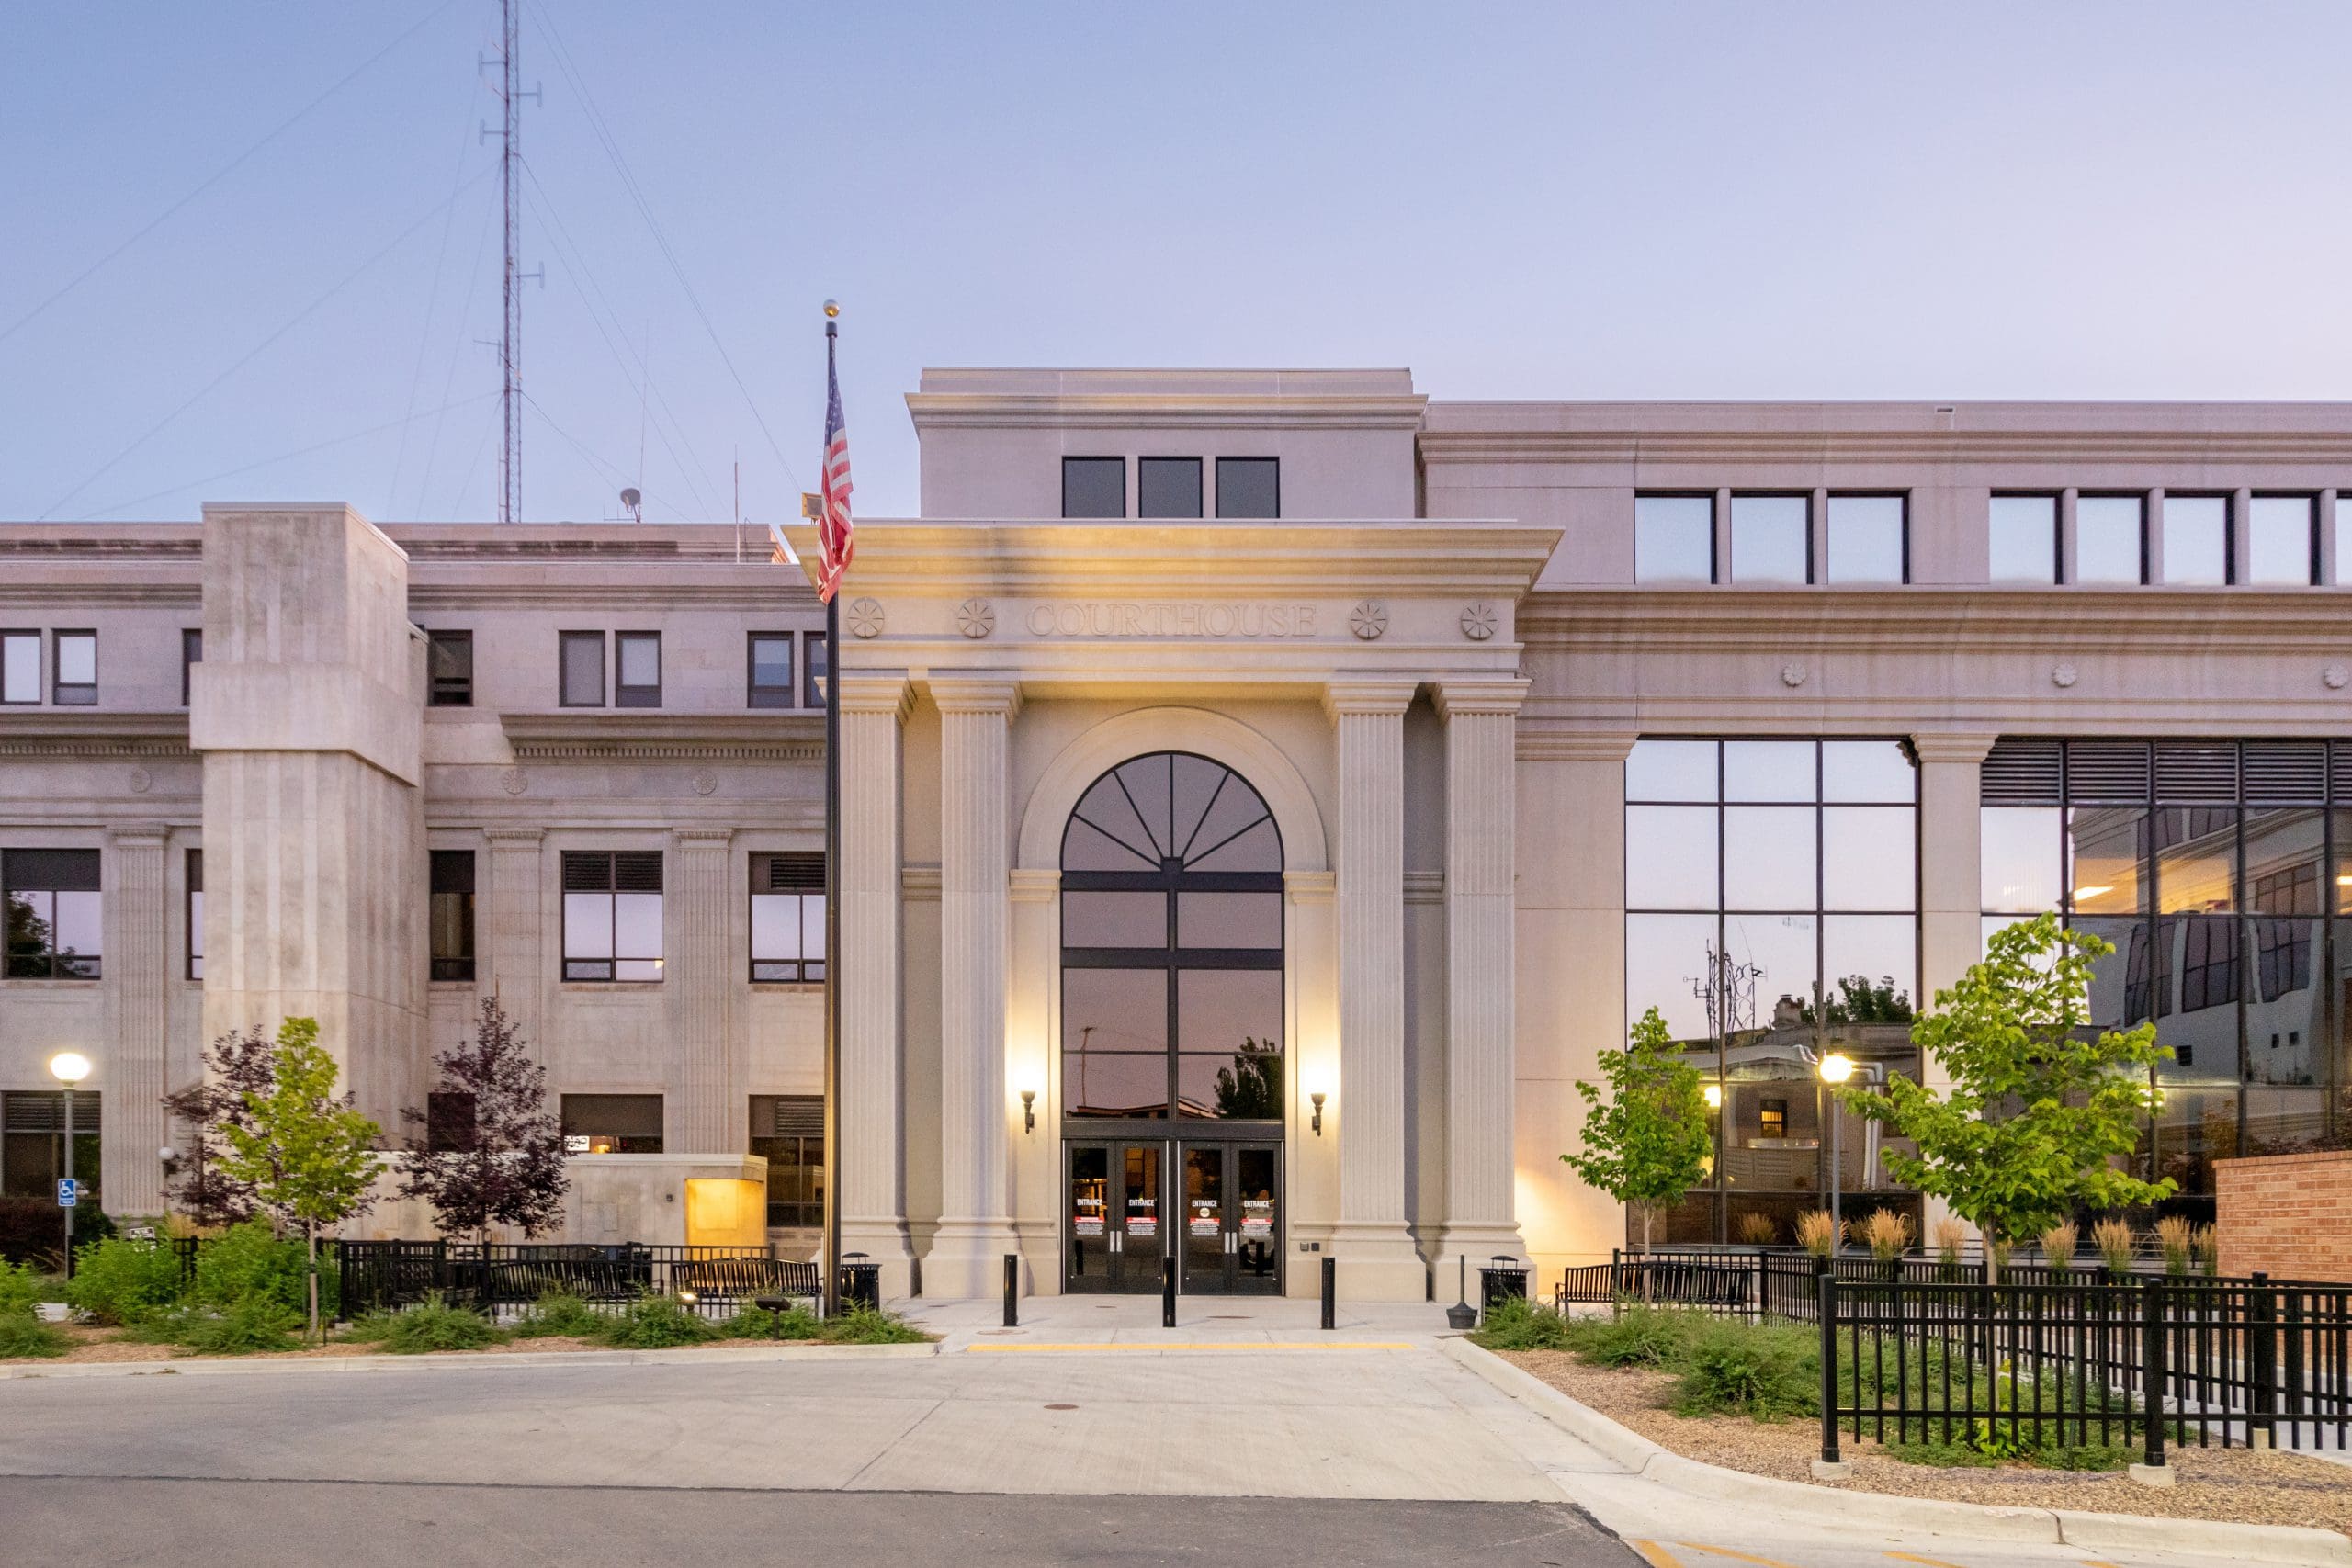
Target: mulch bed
2242 1485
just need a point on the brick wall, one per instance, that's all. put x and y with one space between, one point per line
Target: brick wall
2289 1215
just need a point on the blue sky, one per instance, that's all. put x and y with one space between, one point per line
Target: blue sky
1739 200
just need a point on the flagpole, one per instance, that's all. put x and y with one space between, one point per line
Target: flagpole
833 1161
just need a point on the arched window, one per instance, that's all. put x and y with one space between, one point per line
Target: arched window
1172 946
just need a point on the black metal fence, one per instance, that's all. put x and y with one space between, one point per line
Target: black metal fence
715 1282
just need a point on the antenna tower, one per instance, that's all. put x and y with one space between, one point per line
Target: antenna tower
510 337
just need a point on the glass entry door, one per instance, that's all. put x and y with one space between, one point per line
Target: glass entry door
1116 1236
1232 1218
1217 1207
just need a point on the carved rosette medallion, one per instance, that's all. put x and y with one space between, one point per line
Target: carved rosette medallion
514 782
2064 675
1479 621
1369 619
2335 676
705 782
975 617
864 618
1794 675
142 780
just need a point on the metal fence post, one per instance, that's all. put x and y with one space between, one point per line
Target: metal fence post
2262 1363
2152 1374
1013 1290
1331 1291
1827 1282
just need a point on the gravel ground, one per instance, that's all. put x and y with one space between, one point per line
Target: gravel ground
2240 1485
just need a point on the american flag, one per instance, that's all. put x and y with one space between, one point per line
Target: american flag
835 536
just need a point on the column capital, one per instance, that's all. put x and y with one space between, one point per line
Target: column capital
1376 694
1498 694
702 835
976 694
1311 887
1554 741
877 690
139 835
517 838
1940 746
1032 887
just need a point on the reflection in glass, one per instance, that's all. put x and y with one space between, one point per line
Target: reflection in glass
2121 994
2208 955
1115 1009
1867 770
1769 968
1769 857
2286 1121
2197 540
2286 1017
2025 539
1246 1084
1670 857
1669 962
2286 861
2279 540
2106 845
1768 538
1865 538
1880 949
1867 857
1090 1181
1671 770
1230 920
2020 857
1114 920
2108 539
1674 539
2197 853
1114 1083
1767 769
2194 1128
1225 1011
1773 1133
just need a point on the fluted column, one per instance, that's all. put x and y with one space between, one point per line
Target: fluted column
514 925
1377 1260
873 1193
131 1077
975 1225
1952 897
698 975
1481 918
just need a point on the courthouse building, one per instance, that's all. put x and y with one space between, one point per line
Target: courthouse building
1265 794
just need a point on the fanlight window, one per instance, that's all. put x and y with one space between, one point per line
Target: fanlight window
1172 947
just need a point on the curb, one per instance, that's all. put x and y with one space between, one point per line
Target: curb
1835 1509
520 1360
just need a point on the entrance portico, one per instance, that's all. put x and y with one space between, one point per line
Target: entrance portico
1361 680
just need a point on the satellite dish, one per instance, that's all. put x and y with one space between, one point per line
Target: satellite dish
634 503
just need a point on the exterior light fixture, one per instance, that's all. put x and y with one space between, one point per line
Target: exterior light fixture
1028 1110
1715 1093
1835 1069
69 1067
1315 1099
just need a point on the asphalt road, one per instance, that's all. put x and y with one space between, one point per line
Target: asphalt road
196 1524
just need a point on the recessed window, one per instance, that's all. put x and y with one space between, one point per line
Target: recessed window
20 667
196 914
32 1143
2024 530
450 914
1674 539
1094 487
1866 538
1167 486
638 658
612 1123
191 655
74 660
449 661
2197 540
768 669
612 915
1249 487
812 672
788 918
788 1131
2282 540
2110 540
1768 538
450 1124
582 668
51 900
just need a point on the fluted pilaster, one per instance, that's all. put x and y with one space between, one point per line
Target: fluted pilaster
697 979
132 1127
872 1193
974 1227
513 919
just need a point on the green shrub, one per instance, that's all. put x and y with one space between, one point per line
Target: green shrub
118 1280
1634 1335
795 1322
560 1313
369 1329
249 1262
22 1334
434 1325
653 1323
872 1326
20 1288
1765 1372
255 1322
1517 1324
1966 1456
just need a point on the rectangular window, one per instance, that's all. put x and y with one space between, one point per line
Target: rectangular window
450 662
1249 487
2197 540
450 914
449 1122
196 914
1094 487
1674 539
612 915
2024 531
767 663
73 662
52 898
812 672
2282 540
20 668
788 1131
2110 540
612 1123
582 668
1771 538
1167 486
191 655
789 917
1867 539
32 1143
637 663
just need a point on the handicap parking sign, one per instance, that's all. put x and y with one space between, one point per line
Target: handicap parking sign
69 1192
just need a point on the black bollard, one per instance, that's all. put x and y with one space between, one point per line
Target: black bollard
1013 1290
1168 1292
1331 1292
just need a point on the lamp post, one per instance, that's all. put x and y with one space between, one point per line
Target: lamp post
1835 1069
69 1068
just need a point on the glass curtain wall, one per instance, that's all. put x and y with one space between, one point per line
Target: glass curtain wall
1772 897
2220 872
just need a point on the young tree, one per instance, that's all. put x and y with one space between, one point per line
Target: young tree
1648 1142
489 1152
308 1155
234 1065
2040 1105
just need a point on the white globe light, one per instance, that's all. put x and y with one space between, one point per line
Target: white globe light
68 1066
1835 1069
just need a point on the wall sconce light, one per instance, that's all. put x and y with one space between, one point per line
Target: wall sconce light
1028 1110
1715 1093
1315 1099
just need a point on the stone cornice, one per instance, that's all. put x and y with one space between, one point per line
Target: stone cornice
953 692
1309 400
1373 695
526 837
1452 694
1311 887
1031 886
920 882
702 835
1540 740
598 734
91 732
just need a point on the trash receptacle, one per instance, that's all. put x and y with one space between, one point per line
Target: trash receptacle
861 1283
1504 1275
